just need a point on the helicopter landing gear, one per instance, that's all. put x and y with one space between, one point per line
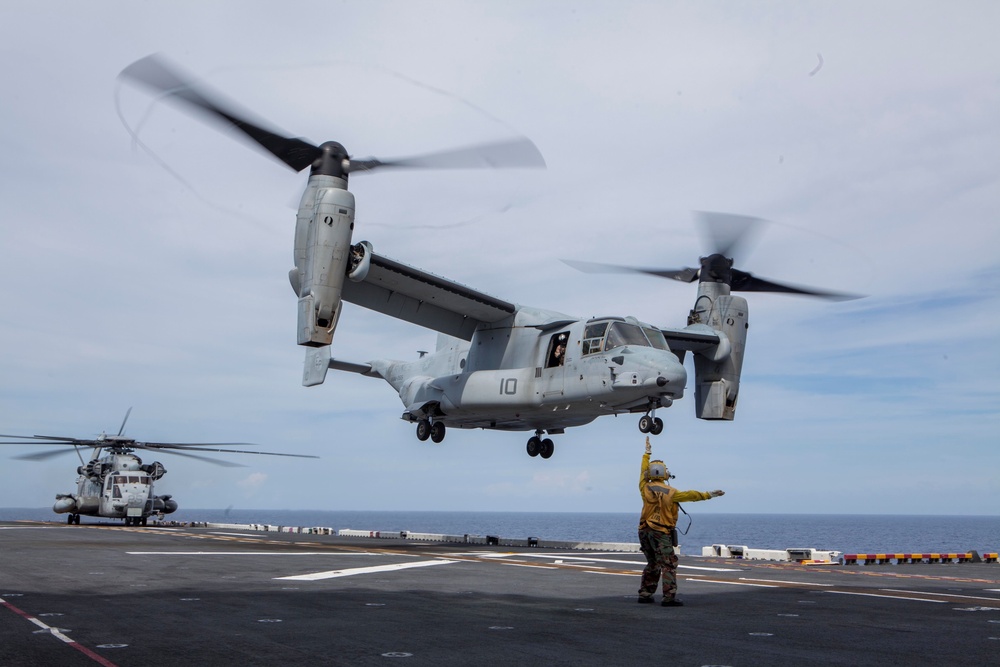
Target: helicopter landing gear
435 431
649 424
537 446
73 518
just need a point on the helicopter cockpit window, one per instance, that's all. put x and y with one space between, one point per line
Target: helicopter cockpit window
557 350
622 333
593 336
656 338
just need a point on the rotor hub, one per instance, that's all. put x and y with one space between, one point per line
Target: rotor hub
333 160
716 269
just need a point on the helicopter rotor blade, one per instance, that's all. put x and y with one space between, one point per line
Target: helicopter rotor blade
746 282
124 421
42 456
154 72
173 447
48 440
207 459
684 275
508 154
728 234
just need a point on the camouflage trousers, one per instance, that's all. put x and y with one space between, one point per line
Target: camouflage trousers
661 558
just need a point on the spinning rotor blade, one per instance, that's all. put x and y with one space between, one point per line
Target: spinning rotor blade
155 73
207 459
745 282
726 233
124 421
52 440
172 448
42 456
685 275
510 154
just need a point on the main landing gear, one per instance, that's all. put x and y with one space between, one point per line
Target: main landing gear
73 518
435 431
537 446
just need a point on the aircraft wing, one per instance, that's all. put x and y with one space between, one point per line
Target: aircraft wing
413 295
694 338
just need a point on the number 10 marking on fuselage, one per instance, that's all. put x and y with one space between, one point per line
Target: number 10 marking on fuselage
508 386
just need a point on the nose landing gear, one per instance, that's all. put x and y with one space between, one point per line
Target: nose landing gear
650 424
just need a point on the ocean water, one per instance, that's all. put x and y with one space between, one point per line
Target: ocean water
857 533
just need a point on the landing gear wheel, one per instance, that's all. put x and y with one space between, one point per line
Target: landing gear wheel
534 445
69 519
423 430
128 521
548 447
143 522
437 431
657 427
645 423
76 519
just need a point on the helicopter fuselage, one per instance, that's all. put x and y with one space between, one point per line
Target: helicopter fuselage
116 486
542 371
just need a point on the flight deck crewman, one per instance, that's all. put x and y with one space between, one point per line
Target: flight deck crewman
657 528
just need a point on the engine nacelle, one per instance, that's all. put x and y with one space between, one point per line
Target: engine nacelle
64 503
717 376
322 254
164 504
154 470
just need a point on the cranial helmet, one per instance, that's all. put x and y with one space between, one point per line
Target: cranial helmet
658 471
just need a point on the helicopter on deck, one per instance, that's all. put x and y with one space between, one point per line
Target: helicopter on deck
498 365
115 483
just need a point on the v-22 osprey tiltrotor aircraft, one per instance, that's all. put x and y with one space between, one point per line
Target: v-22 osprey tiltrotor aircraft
498 365
115 483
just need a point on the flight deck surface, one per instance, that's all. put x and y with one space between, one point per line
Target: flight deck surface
110 595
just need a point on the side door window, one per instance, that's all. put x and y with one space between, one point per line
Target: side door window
556 355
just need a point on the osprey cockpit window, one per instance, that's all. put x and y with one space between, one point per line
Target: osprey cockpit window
593 336
656 338
623 333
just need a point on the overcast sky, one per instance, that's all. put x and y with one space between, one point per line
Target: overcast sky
866 132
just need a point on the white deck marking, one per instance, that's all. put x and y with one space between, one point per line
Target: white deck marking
889 597
637 563
316 576
733 583
944 595
257 553
779 581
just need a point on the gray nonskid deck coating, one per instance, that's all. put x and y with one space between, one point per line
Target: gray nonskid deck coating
192 596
